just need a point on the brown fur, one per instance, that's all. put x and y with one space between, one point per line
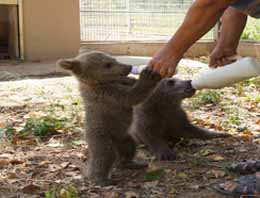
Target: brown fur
109 96
160 119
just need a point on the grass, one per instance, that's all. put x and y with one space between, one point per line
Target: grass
252 30
62 192
206 97
154 175
43 126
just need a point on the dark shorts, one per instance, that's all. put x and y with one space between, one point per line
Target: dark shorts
250 7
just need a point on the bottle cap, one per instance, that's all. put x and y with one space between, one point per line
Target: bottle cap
134 69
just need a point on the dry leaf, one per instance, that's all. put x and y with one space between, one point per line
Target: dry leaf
195 187
206 152
3 163
216 157
53 168
65 164
31 141
12 175
131 195
16 161
218 173
30 189
45 162
112 195
150 184
2 125
182 175
247 133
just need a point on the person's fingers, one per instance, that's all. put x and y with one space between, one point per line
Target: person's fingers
219 62
171 72
222 62
163 71
225 61
212 65
212 62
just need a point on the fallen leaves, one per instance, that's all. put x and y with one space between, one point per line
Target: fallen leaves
131 195
216 157
30 188
154 175
217 173
48 167
3 163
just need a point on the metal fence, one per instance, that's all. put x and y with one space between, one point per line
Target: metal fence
124 20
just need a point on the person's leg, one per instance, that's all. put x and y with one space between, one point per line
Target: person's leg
245 167
246 185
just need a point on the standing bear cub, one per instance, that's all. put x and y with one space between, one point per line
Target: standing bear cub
109 96
160 119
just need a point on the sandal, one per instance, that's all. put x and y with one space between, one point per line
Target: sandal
247 186
245 167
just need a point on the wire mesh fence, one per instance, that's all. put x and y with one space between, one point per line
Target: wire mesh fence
124 20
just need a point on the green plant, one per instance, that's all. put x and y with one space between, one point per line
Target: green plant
252 81
154 175
43 126
206 97
7 132
62 192
252 30
234 119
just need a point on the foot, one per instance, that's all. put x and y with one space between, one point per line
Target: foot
246 185
246 167
134 164
166 156
104 182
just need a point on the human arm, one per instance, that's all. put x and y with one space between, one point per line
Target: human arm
201 17
233 24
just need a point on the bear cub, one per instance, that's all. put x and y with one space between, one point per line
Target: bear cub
160 120
109 96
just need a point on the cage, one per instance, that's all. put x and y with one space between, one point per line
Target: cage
132 20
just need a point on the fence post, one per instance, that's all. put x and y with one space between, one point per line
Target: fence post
129 23
216 31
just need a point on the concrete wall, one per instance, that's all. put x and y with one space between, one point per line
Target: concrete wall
51 28
3 13
147 49
201 48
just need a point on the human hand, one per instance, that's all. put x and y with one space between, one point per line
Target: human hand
220 57
164 62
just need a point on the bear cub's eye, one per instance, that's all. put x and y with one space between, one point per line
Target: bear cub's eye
109 65
171 83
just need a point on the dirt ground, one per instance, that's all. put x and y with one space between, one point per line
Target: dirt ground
51 166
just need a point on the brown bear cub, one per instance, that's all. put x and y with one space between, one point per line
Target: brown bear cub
109 96
160 119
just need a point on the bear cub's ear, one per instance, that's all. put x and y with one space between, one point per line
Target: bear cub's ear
67 64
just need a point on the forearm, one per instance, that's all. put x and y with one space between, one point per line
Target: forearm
139 92
133 94
201 17
233 24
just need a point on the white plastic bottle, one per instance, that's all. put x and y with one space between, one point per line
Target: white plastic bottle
220 77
